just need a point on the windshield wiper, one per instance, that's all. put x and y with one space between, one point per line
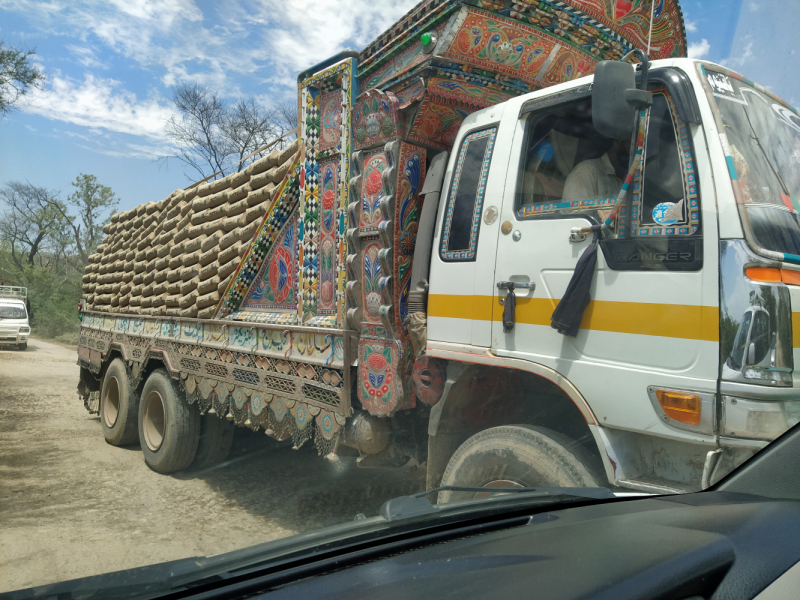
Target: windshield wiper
404 507
766 157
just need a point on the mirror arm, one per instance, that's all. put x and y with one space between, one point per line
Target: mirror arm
638 98
643 58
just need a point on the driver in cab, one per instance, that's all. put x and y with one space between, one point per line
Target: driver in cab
599 177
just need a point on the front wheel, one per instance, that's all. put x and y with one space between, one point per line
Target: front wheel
169 427
23 346
517 456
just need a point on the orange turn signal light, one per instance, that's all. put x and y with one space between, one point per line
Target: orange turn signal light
772 275
680 406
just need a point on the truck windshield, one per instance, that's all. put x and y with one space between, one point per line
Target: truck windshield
764 140
9 311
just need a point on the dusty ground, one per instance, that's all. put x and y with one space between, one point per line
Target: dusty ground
72 506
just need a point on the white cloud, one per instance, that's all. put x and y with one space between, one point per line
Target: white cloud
356 22
257 44
143 151
233 38
699 49
100 104
737 62
691 26
87 57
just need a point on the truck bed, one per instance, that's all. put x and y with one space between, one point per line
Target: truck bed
286 368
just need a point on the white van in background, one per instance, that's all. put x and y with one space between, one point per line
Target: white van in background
14 325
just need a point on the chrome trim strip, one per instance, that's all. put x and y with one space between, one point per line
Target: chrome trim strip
758 392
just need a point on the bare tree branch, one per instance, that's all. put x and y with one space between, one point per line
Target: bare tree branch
32 224
212 135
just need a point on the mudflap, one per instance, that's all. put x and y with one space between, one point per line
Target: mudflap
384 376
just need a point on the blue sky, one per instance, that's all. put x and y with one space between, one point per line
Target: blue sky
112 65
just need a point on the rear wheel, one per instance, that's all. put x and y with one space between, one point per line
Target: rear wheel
216 437
517 456
169 428
119 406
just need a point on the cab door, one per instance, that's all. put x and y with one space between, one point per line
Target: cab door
652 319
465 238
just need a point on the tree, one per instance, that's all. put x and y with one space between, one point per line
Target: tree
92 200
33 224
17 76
213 135
45 243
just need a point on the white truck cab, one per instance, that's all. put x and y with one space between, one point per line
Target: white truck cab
685 360
14 325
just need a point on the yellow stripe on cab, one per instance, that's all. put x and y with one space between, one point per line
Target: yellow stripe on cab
636 318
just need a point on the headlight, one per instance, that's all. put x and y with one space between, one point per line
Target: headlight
24 329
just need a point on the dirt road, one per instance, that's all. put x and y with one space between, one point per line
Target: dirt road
72 506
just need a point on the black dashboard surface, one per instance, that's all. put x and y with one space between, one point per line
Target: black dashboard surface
719 545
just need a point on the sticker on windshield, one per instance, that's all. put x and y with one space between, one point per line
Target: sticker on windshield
722 87
786 116
668 213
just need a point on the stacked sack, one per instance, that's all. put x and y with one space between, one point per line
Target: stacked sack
177 256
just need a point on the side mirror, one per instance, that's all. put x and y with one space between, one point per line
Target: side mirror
615 99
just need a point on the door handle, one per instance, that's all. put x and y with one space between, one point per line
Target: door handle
504 285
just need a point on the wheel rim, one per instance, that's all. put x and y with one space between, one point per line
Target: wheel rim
500 483
153 424
111 402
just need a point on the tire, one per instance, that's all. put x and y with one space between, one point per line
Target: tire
517 456
23 346
169 427
216 437
119 406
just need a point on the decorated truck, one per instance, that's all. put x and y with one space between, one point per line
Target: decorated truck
498 248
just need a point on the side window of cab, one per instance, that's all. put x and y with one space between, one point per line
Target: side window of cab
465 196
570 170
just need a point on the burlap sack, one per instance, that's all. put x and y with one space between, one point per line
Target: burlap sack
240 178
259 166
207 313
191 258
236 194
187 300
208 257
188 286
227 269
189 313
161 276
228 254
228 240
207 300
223 285
237 208
209 285
188 273
211 241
